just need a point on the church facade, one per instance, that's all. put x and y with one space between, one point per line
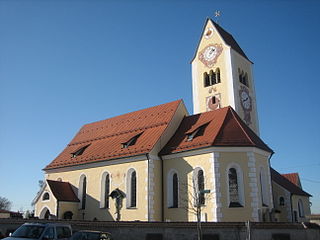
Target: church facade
162 164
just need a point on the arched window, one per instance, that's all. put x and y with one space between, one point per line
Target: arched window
212 77
300 208
82 194
175 190
235 186
206 79
131 188
246 80
105 190
281 201
218 75
45 196
198 181
172 189
263 188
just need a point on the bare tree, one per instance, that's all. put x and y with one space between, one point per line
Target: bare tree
5 204
193 201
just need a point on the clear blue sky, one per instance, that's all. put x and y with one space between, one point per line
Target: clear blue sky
67 63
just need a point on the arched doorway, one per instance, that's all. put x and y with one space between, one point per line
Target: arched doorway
45 213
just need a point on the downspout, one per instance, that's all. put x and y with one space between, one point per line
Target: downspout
162 191
147 155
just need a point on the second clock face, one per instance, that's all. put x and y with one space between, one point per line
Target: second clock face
245 100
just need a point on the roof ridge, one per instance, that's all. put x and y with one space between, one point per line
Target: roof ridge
120 133
121 115
181 102
221 124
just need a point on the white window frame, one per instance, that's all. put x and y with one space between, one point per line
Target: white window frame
170 187
45 200
128 188
263 188
103 189
80 191
239 180
195 184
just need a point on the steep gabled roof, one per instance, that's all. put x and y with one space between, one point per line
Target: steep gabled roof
224 128
229 40
285 183
62 191
227 37
294 178
103 140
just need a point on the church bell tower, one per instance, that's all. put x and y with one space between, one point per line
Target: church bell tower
222 76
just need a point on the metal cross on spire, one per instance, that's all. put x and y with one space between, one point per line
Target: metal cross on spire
217 14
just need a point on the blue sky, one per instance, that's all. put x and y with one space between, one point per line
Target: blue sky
67 63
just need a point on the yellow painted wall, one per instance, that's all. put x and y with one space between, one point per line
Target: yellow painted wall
285 211
222 87
51 204
118 180
69 206
184 167
306 207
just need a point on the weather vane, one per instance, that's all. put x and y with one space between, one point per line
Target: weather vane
217 14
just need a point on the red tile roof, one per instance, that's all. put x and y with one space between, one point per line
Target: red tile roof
285 183
62 191
225 128
293 177
106 137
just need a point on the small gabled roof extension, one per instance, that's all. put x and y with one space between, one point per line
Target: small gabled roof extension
294 178
104 140
225 129
285 183
62 191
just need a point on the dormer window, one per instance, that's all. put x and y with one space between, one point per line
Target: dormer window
132 141
79 151
196 132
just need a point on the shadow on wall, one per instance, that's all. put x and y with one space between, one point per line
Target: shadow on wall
92 210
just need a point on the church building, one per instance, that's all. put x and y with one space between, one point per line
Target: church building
161 163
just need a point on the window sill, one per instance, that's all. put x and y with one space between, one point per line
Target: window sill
133 208
172 207
235 205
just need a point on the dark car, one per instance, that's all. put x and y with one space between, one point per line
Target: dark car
42 231
91 235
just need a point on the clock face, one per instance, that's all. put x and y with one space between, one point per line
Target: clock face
245 100
209 55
